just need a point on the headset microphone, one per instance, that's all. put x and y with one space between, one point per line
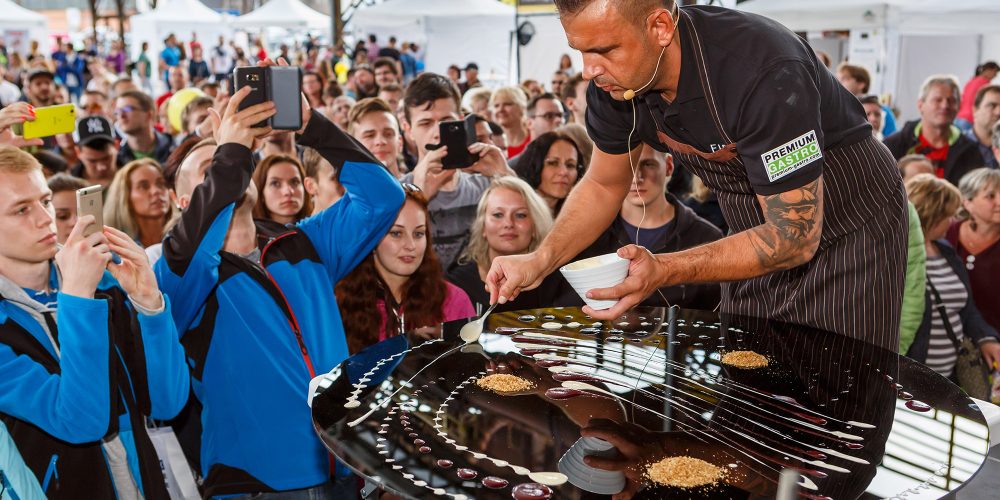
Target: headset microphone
630 94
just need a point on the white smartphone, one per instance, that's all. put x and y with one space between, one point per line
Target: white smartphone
89 201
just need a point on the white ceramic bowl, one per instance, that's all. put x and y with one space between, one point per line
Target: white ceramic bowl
602 271
588 478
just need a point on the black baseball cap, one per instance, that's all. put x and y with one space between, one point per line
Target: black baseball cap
92 129
471 65
35 73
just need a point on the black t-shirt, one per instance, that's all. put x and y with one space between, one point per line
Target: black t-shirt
775 100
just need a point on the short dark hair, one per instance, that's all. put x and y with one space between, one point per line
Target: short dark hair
427 88
569 88
332 90
494 128
386 61
311 160
196 104
541 97
53 163
870 99
364 107
65 182
859 73
532 160
635 10
981 93
145 102
987 66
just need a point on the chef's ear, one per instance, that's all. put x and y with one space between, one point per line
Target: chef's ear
663 24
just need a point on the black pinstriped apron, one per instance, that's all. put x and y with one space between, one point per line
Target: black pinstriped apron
854 284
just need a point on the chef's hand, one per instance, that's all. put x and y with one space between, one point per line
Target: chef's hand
644 277
512 274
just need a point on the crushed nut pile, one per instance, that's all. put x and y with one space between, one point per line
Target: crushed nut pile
683 472
744 359
503 383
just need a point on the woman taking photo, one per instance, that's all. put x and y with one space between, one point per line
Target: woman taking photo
409 291
511 219
950 314
138 202
283 198
976 237
552 164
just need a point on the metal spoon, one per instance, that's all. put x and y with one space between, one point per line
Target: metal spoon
473 329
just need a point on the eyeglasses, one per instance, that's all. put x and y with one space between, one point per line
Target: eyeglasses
124 109
549 116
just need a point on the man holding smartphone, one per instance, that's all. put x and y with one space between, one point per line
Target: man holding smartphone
255 301
88 348
453 193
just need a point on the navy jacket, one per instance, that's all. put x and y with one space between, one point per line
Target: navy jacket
689 231
256 332
90 370
973 323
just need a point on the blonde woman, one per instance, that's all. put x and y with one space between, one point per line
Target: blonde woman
138 202
511 219
950 309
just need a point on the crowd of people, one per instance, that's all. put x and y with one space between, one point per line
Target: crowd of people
237 263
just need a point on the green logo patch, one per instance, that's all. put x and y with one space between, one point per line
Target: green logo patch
792 155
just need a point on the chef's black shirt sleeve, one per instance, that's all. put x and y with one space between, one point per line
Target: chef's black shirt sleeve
780 136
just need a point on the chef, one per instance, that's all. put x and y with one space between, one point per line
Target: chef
815 206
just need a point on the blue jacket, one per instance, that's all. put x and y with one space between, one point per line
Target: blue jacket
90 370
256 332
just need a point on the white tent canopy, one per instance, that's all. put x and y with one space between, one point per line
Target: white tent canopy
288 14
18 26
180 17
915 38
451 31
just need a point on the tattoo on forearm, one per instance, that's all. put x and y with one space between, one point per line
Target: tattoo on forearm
794 223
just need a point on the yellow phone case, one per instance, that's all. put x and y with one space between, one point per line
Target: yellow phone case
49 121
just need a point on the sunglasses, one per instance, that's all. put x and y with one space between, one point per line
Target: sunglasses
411 188
124 109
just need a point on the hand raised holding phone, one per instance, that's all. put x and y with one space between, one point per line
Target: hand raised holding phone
82 259
133 272
235 126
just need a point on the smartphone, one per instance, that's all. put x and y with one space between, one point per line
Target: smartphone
49 121
89 201
256 79
285 89
280 84
458 135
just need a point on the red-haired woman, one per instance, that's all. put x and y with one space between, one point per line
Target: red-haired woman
410 291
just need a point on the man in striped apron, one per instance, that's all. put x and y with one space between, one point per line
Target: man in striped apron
816 208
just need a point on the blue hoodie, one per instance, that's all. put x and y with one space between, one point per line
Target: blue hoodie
257 330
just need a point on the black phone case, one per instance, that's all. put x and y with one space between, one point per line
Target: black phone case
458 135
256 78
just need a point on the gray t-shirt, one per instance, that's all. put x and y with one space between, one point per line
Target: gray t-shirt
452 215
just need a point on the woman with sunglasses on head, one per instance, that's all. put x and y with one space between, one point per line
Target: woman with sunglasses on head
552 164
411 293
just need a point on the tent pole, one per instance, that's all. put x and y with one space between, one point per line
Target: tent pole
517 43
